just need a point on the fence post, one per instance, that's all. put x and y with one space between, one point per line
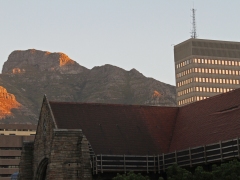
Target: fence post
190 157
238 147
163 161
124 164
205 154
220 145
96 165
176 156
101 164
147 163
154 164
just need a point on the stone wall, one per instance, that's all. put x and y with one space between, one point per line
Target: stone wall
70 157
25 166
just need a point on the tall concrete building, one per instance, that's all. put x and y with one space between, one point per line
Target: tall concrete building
205 68
11 141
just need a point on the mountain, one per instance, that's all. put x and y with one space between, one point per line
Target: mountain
30 74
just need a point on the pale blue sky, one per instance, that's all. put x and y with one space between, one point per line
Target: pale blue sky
126 33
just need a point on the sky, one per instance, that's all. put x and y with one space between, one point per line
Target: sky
138 34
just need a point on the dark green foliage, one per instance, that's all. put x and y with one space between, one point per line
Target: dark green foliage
175 172
131 176
226 171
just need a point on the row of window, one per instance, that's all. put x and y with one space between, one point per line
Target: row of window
191 99
208 71
208 61
10 157
13 134
17 130
208 80
10 148
9 166
203 89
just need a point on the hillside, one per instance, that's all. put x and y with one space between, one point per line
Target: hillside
30 74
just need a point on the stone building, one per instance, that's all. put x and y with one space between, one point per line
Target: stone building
88 141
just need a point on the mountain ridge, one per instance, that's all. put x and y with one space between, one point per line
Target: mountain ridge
30 74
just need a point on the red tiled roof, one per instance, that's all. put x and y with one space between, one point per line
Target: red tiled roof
119 129
131 129
208 121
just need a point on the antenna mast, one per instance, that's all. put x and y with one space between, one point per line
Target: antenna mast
194 30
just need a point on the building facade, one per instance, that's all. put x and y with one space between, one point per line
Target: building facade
205 68
88 141
11 141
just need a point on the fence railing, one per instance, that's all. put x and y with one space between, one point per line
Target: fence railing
212 153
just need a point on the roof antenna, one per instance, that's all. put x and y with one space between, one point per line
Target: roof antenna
194 30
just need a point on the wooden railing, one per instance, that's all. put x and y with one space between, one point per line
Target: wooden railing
212 153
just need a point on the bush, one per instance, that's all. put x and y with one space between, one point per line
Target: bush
131 176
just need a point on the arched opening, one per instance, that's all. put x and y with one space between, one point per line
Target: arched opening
42 170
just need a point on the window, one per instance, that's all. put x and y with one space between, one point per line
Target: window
216 80
199 61
196 79
230 72
216 61
229 63
219 62
200 79
237 81
232 63
227 81
214 89
204 89
230 81
203 79
209 61
207 89
220 80
220 71
196 69
226 71
206 70
236 72
205 61
200 88
213 71
197 89
234 82
202 70
210 71
233 72
211 89
222 62
212 61
213 80
224 81
236 63
216 70
206 79
217 89
210 80
223 71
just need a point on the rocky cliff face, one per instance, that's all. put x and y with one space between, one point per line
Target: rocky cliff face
7 103
31 74
34 60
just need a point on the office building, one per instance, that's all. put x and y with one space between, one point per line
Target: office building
11 141
205 68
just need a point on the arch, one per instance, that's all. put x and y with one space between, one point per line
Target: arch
42 170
